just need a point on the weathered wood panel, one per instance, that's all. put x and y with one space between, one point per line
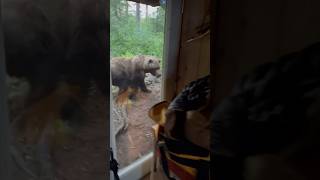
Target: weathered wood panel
251 32
194 59
172 46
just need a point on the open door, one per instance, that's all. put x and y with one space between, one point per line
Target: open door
134 141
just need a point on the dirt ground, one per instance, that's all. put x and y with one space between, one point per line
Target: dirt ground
137 139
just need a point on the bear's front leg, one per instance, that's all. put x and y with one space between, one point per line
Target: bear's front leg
146 90
143 87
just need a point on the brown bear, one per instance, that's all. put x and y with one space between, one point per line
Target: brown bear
130 72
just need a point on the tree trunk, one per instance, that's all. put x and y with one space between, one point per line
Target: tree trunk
138 15
146 12
127 9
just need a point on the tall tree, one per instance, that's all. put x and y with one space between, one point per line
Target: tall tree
127 9
138 16
159 20
117 8
146 12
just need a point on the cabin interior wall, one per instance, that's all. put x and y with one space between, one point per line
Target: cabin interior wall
194 52
249 33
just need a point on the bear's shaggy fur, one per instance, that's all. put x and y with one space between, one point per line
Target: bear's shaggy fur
130 72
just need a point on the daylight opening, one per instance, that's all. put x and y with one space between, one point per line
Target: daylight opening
136 48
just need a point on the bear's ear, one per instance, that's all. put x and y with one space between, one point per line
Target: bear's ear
158 111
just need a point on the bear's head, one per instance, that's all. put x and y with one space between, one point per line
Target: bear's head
151 65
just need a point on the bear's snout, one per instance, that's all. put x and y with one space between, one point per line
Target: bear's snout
157 73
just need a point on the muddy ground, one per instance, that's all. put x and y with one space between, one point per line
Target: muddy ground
135 139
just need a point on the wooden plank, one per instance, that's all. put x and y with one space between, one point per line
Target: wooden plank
188 64
204 65
195 17
171 48
194 60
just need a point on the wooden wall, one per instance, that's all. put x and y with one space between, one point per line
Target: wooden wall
187 44
194 52
251 32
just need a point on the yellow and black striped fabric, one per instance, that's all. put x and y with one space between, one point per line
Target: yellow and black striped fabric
192 161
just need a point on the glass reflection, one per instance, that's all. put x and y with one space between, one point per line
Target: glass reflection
56 76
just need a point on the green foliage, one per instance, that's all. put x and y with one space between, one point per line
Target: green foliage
126 40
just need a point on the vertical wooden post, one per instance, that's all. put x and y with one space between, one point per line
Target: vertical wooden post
171 48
